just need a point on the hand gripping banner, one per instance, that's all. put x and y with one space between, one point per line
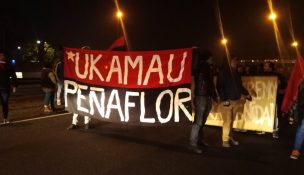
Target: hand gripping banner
150 87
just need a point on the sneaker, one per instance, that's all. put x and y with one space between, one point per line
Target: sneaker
87 126
239 130
6 121
275 135
295 154
72 126
290 120
226 144
234 142
47 109
261 132
195 149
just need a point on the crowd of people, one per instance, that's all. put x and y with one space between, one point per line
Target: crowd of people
228 91
231 95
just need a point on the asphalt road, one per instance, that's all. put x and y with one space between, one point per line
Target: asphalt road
36 143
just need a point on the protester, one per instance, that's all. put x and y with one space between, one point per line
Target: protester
282 84
240 70
60 77
294 100
8 80
204 92
247 71
268 69
48 82
87 119
230 89
295 154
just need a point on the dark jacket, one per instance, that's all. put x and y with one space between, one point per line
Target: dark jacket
46 82
7 76
203 77
229 85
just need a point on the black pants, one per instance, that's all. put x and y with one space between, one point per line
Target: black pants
4 95
203 105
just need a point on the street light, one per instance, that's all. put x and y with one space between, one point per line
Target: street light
224 41
38 41
272 16
19 48
295 44
119 14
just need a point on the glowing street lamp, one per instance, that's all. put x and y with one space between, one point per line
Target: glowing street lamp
295 44
272 16
19 48
224 41
119 14
38 41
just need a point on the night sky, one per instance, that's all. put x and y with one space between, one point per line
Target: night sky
153 24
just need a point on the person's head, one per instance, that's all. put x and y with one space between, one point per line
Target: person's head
86 47
240 69
247 69
206 55
195 50
267 67
233 61
280 69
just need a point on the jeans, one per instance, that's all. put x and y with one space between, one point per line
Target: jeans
49 99
299 135
203 105
4 95
59 90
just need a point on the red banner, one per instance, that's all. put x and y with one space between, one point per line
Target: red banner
131 87
154 69
296 77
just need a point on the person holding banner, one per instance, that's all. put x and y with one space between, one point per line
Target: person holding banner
87 119
230 89
204 92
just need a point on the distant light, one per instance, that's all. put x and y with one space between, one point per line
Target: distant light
119 14
13 61
19 75
38 41
19 48
295 44
252 60
224 41
272 16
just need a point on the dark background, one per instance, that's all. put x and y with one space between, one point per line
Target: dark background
153 25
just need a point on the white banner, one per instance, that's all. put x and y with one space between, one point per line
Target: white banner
259 114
